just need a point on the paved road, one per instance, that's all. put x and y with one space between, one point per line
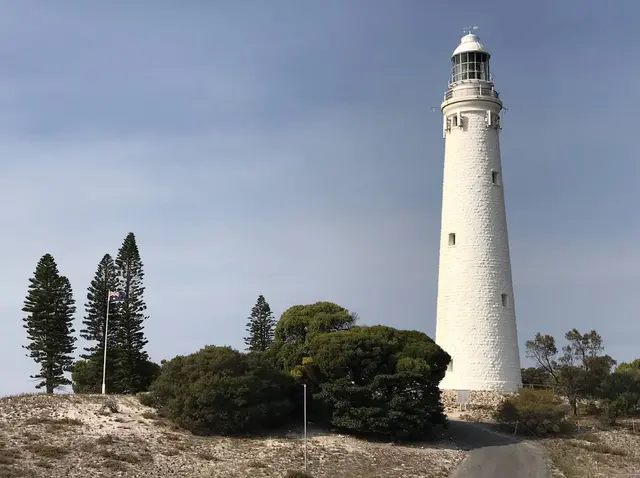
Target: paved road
493 455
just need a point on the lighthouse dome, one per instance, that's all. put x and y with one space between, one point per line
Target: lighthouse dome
469 43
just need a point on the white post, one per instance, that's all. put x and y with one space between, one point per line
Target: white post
305 427
106 331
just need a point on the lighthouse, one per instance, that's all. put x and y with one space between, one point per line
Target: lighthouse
476 320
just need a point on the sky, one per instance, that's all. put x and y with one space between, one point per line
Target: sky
294 149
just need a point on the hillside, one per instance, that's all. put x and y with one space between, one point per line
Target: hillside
78 436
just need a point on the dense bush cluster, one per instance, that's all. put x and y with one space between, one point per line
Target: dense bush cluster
587 377
378 380
535 412
363 380
220 390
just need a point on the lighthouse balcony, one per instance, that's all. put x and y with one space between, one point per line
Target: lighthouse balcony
460 90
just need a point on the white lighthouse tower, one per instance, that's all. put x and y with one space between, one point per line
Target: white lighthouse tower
476 321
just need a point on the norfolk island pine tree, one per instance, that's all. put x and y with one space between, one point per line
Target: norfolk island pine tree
104 281
132 361
49 323
260 326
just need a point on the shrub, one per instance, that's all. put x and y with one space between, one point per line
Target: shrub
111 405
612 410
147 399
220 390
591 409
301 322
536 412
86 376
379 381
297 474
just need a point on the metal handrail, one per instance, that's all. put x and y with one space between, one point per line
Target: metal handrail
472 90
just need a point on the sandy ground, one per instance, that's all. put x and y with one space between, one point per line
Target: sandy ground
76 436
612 453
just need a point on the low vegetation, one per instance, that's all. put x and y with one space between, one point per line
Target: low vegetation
585 445
535 413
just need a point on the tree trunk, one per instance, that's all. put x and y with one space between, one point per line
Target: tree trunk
574 405
49 380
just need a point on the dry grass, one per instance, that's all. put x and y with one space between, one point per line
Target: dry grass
79 436
608 453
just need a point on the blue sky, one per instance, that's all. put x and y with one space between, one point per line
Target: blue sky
290 149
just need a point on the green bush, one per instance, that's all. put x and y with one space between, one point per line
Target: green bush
621 393
299 324
379 381
612 410
536 412
147 399
86 376
219 390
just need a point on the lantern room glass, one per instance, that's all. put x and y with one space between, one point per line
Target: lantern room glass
472 65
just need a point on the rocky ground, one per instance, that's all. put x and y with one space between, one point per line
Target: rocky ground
78 436
593 452
479 406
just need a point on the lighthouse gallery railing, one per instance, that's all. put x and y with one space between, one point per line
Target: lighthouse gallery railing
471 90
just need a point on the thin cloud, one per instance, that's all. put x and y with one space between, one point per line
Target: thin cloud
291 150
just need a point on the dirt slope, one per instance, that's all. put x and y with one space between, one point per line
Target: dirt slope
76 436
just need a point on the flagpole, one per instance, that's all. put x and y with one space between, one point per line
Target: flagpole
106 331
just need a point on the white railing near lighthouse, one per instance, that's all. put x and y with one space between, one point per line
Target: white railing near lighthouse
471 90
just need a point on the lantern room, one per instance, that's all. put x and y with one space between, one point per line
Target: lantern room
470 61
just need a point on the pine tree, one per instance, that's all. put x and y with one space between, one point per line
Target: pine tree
261 326
50 307
132 359
104 281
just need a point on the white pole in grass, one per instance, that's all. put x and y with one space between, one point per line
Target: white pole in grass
305 427
106 331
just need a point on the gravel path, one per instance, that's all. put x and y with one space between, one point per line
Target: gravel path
493 455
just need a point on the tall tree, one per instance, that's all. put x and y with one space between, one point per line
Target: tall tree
49 323
261 326
581 369
629 367
132 359
104 281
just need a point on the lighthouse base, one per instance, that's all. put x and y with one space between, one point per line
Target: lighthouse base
450 382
